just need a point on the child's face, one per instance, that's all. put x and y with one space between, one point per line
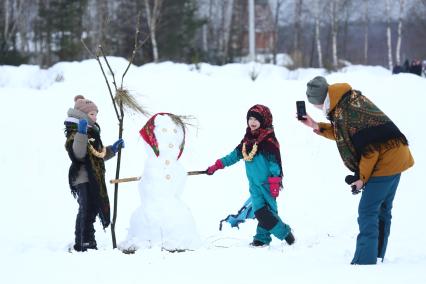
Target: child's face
253 123
93 115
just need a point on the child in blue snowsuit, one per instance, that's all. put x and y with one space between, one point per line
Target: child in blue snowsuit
261 152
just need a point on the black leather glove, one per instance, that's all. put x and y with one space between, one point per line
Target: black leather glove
349 179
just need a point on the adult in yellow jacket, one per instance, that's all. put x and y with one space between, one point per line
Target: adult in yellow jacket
373 148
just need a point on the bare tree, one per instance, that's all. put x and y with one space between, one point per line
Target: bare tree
153 16
297 52
219 22
276 9
12 17
102 20
317 13
252 33
388 33
366 22
228 8
24 27
334 30
398 42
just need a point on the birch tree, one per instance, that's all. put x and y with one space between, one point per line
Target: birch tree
228 7
24 28
12 11
334 30
252 33
212 38
388 34
297 50
276 9
102 20
366 23
153 16
317 11
398 42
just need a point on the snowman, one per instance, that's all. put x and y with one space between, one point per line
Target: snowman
162 219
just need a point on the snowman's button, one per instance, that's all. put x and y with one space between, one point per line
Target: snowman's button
167 162
168 177
171 145
174 130
164 129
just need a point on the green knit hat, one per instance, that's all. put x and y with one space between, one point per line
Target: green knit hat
317 90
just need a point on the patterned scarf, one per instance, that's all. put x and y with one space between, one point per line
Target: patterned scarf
360 127
147 132
264 136
95 169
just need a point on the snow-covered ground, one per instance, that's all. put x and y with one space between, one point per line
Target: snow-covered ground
38 212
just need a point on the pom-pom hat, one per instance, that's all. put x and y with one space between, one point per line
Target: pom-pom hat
84 105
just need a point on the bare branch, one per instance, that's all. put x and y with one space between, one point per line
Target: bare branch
109 66
88 50
132 57
96 56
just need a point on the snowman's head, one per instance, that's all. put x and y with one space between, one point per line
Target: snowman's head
165 135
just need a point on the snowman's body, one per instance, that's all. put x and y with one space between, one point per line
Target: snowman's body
162 218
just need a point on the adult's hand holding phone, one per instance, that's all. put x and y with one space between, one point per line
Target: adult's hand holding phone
310 122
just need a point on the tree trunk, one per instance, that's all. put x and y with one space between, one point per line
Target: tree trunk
6 19
388 34
102 21
227 28
344 33
334 29
318 41
297 24
252 34
297 49
398 42
275 31
366 22
211 39
152 18
224 32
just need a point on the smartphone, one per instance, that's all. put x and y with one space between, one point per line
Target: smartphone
301 110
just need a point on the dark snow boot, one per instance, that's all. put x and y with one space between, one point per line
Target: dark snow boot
81 243
89 236
290 239
257 243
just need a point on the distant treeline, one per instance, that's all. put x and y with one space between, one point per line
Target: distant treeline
315 33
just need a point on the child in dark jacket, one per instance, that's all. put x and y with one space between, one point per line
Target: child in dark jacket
261 152
87 172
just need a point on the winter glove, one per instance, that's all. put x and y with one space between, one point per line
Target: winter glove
218 165
82 126
117 145
274 185
350 179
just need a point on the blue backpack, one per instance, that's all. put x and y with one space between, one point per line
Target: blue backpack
246 212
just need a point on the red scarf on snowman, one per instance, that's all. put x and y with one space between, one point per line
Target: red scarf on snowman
147 133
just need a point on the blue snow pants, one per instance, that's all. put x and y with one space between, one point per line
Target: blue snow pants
374 219
266 212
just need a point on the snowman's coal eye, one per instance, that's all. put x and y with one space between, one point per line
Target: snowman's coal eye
164 129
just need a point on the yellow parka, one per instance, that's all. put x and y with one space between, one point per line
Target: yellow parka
385 162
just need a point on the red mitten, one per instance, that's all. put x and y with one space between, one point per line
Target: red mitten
218 165
274 185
